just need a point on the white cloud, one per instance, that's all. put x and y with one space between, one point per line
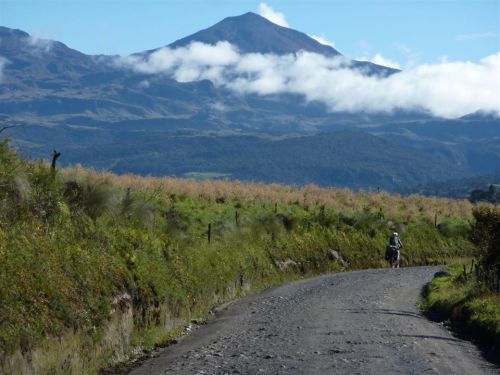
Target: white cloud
144 84
448 89
467 37
403 48
3 62
321 39
411 57
40 44
380 60
219 107
194 62
276 17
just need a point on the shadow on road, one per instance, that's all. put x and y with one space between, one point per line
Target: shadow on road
385 311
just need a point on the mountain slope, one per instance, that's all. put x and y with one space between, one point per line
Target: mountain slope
43 64
46 82
252 33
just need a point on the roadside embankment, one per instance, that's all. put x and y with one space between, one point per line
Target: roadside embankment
457 297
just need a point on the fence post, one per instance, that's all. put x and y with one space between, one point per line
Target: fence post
492 278
498 279
435 220
209 232
237 218
275 207
465 273
55 156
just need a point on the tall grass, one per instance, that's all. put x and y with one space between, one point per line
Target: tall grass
309 197
71 241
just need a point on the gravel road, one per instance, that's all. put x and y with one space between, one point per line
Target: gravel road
363 322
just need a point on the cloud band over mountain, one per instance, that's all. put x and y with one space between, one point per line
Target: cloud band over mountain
446 89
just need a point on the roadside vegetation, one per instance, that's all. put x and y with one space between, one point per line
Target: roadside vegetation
74 242
467 296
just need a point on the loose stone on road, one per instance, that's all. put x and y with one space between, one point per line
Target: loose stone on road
364 322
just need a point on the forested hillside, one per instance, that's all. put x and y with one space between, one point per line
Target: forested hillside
348 158
459 188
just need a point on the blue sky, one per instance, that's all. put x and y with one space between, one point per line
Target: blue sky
406 32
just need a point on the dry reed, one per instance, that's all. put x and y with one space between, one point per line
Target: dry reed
308 197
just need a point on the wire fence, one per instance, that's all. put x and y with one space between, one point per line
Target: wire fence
487 275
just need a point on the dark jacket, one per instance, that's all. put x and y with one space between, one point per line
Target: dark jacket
395 241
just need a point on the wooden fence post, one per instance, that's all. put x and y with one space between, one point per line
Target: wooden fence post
209 232
237 218
465 273
55 156
498 279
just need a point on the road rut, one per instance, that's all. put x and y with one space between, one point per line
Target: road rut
364 322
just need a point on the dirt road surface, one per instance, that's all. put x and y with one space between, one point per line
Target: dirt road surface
363 322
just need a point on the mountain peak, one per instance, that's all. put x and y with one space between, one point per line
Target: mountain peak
252 33
249 15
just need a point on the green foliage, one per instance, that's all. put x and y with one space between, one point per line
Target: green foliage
464 304
492 195
453 229
486 235
69 244
94 198
14 186
468 298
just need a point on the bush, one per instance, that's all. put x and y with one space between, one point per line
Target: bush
486 235
14 184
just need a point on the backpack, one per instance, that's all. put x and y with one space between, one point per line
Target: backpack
394 240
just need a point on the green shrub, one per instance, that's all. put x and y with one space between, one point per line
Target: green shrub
465 305
486 235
